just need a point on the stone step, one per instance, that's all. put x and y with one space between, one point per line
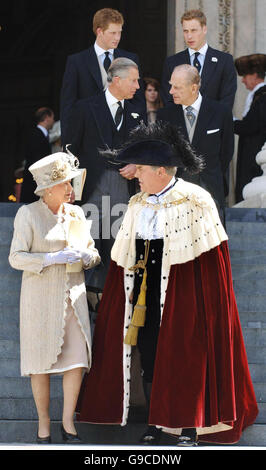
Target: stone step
252 319
8 209
246 242
257 372
24 408
10 329
249 286
7 272
260 390
24 432
9 298
256 354
10 367
20 387
9 349
261 418
9 311
248 271
244 215
249 303
257 257
6 234
4 251
255 337
10 283
5 268
253 436
91 434
242 229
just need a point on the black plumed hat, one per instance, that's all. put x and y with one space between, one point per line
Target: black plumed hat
157 144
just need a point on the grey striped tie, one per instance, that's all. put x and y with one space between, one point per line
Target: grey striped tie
190 115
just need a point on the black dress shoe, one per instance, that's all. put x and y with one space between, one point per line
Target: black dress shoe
188 438
151 437
43 440
70 438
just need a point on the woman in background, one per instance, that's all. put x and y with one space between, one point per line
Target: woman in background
153 99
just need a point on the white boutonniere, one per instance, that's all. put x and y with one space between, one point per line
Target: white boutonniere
214 59
135 115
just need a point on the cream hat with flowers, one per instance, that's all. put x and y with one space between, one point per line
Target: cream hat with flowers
54 169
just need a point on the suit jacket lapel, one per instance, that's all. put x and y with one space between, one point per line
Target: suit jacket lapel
129 113
180 119
205 114
208 68
103 119
93 66
117 53
186 57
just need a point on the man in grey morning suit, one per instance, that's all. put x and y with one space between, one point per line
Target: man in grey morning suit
94 125
207 124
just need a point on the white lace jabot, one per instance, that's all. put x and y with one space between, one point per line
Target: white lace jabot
150 223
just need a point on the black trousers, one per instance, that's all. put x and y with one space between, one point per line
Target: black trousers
148 334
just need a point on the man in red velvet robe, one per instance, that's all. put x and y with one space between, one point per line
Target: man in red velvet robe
171 258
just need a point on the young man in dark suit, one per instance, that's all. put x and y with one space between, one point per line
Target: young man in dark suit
206 124
86 71
100 122
216 68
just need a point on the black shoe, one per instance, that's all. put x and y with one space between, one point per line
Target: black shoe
151 437
43 440
188 438
70 438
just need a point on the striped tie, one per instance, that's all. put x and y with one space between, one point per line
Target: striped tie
190 115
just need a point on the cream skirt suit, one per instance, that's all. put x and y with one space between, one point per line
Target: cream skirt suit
54 319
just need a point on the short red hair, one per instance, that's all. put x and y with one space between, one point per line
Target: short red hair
104 17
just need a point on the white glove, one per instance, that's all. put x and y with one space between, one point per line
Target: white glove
68 255
86 257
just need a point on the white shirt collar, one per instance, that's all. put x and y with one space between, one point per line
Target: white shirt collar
196 105
111 100
171 182
99 50
202 50
249 98
154 197
43 129
259 85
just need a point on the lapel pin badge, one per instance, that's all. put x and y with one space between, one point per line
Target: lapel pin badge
214 59
135 115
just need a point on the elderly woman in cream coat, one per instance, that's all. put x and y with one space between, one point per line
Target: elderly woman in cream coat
54 319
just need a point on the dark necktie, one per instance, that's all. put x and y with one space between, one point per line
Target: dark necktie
107 61
118 114
190 115
196 62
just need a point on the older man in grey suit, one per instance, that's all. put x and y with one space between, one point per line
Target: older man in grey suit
100 122
206 124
